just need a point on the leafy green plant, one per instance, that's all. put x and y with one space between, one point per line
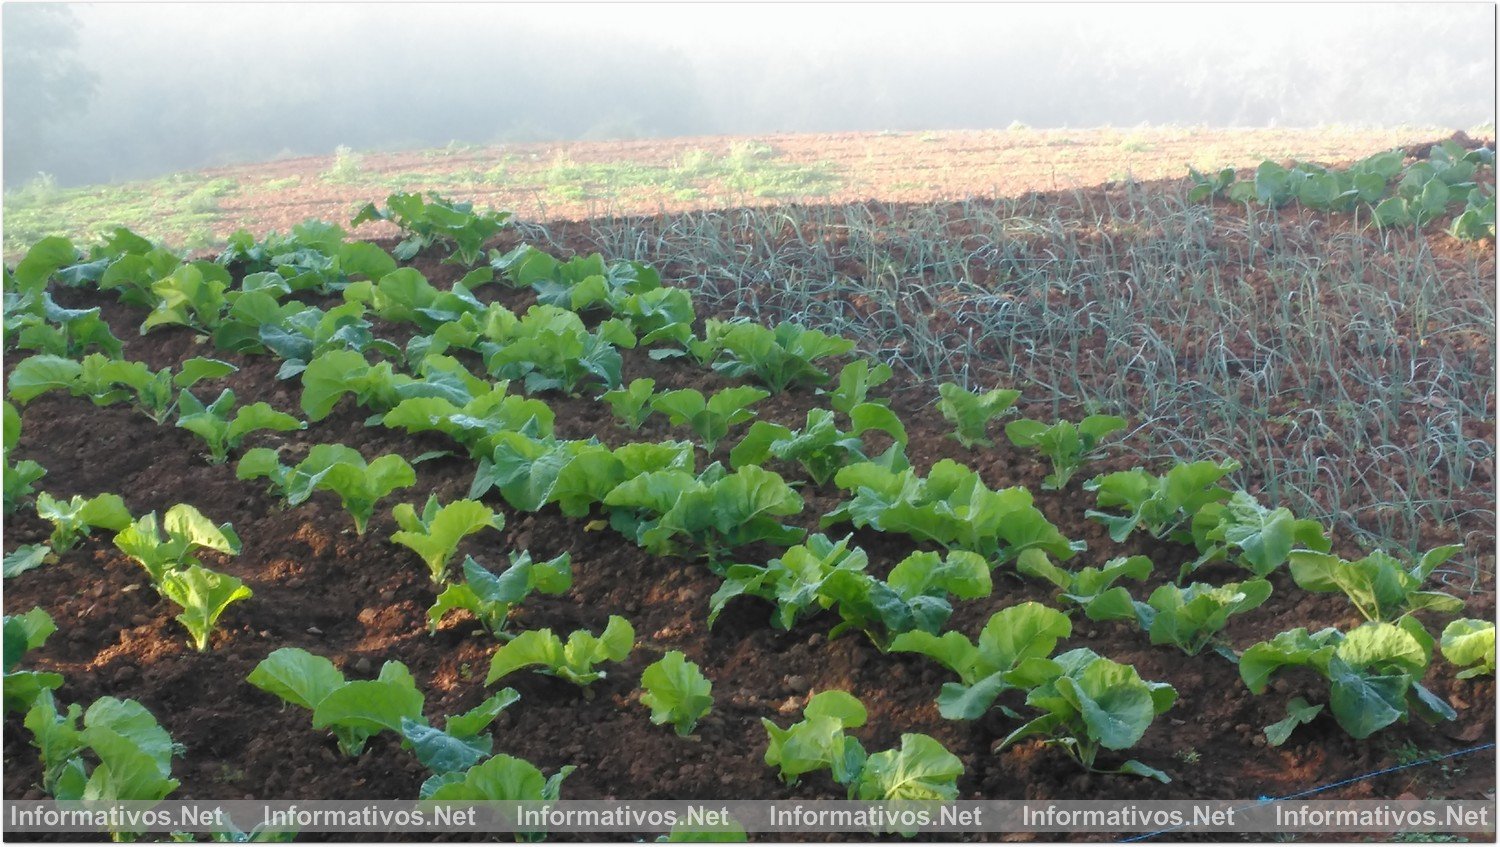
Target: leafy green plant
22 634
1381 587
631 405
1260 540
778 357
1373 671
920 769
435 533
476 424
77 517
1091 703
1190 617
1161 504
574 661
353 711
405 296
462 741
1298 712
971 413
531 472
332 467
106 381
714 511
1470 644
794 581
222 433
551 349
204 595
1207 186
306 333
1068 445
187 531
710 418
490 597
133 752
500 778
193 296
820 447
1002 658
1092 589
952 507
332 374
38 323
914 596
435 219
26 557
855 382
676 692
818 740
19 478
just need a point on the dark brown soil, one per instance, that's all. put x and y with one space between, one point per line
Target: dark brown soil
362 600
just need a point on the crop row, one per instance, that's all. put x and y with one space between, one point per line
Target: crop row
458 374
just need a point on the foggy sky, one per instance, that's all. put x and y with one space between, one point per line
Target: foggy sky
188 86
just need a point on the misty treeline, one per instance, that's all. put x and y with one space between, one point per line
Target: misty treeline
104 93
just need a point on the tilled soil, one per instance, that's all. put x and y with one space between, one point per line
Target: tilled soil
361 601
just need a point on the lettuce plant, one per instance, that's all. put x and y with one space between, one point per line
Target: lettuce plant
818 741
794 581
352 711
461 742
676 692
1089 704
1190 617
715 511
308 332
223 433
501 778
1298 712
77 517
779 357
22 634
434 534
971 413
914 596
203 595
331 375
920 769
331 467
532 472
951 507
434 219
133 752
1006 656
24 558
106 381
820 447
45 327
632 404
405 296
474 424
1092 589
20 478
710 418
551 349
1381 587
1373 671
1257 539
574 661
662 314
193 296
187 531
1067 444
855 382
1470 644
491 597
1162 505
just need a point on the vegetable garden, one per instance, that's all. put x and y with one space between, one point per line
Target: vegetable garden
457 516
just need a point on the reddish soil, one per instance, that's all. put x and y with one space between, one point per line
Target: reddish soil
361 601
906 167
